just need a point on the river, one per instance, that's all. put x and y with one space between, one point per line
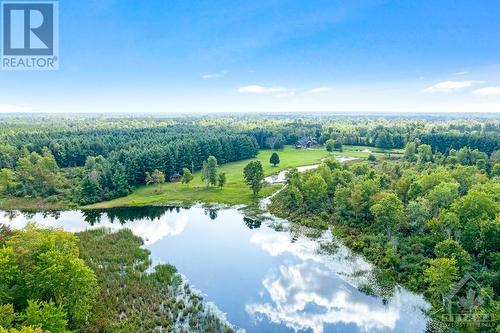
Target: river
264 275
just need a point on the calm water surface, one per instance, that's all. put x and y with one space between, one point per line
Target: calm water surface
262 279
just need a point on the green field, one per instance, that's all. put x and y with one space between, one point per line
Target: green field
359 149
234 193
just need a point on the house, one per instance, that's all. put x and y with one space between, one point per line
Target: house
306 143
175 178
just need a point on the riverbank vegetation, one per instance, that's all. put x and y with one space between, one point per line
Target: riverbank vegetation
94 281
426 222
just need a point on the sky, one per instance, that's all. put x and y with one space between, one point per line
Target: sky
181 56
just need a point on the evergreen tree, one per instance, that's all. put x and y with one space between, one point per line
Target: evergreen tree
120 183
90 190
275 159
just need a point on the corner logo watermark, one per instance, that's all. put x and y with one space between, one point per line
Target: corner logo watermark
462 311
30 35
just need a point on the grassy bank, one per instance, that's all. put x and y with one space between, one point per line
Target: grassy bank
33 204
234 193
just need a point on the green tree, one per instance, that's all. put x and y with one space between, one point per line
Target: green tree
38 175
440 276
330 145
90 189
332 163
50 269
8 274
187 176
221 179
7 181
442 195
489 240
209 171
121 186
411 152
156 178
418 212
254 176
275 159
294 198
314 191
7 315
372 158
495 170
445 225
45 315
451 249
424 154
388 212
474 206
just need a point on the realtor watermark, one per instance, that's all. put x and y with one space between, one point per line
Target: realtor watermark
468 303
30 35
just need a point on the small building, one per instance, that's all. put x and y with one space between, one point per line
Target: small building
175 178
306 143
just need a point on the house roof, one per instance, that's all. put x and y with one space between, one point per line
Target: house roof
306 141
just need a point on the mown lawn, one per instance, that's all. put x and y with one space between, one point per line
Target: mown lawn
234 193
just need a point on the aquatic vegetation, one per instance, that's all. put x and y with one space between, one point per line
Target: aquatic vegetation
135 296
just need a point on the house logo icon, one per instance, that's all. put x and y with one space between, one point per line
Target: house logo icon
459 307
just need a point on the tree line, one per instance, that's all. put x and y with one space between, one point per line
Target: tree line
87 167
425 222
82 161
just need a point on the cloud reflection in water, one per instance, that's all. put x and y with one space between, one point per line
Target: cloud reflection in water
307 295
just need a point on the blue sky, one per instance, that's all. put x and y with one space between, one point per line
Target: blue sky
221 56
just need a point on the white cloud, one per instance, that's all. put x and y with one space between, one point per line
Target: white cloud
256 89
286 94
320 89
449 86
461 73
14 108
487 91
214 75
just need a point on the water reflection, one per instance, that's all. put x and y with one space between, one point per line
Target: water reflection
263 279
308 294
212 213
128 214
252 223
150 223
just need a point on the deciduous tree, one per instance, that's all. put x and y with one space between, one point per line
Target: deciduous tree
254 176
187 176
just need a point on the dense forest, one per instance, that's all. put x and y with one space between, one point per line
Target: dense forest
83 160
425 211
426 222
